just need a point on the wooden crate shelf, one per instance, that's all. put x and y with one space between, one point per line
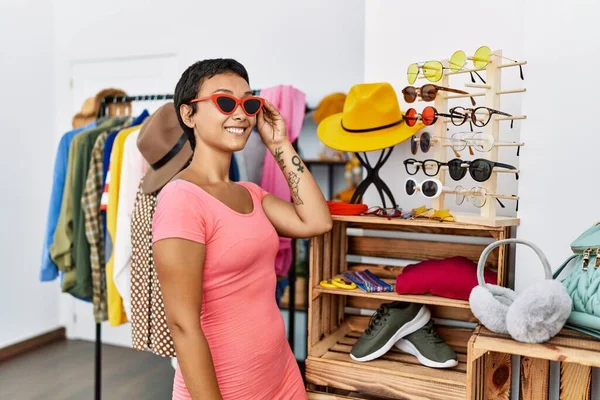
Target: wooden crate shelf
395 375
489 357
325 396
425 223
393 296
332 332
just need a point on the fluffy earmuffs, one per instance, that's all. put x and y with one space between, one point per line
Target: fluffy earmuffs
533 316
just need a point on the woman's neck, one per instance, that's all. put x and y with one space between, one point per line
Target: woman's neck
210 165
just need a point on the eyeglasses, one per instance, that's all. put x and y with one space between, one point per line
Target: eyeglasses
384 212
432 70
428 92
430 188
481 59
479 169
478 141
429 116
478 196
227 103
430 167
479 116
433 188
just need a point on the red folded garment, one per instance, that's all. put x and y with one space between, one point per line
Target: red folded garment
453 278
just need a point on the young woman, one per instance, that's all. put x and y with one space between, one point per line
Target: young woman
215 242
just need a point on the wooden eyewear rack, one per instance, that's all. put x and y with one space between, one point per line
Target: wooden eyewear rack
491 96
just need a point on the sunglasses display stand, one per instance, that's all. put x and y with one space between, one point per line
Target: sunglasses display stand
491 95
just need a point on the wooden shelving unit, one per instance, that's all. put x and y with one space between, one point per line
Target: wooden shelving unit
330 372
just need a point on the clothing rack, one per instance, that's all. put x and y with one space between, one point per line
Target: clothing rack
125 99
103 111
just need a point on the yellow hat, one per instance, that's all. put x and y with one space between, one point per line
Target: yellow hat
329 105
371 120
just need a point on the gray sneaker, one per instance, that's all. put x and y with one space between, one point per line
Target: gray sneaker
391 322
428 347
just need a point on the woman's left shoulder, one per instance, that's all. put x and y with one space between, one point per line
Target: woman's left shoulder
254 188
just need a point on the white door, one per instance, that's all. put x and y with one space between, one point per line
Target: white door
136 76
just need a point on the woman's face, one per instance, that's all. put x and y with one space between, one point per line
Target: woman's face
213 128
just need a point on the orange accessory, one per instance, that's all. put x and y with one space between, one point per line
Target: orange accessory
341 208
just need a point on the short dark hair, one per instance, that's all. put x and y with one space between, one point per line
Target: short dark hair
191 81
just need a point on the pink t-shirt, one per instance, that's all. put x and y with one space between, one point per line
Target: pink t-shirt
240 317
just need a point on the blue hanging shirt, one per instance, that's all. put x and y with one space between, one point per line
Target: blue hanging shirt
49 269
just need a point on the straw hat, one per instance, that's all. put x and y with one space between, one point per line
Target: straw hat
91 106
371 120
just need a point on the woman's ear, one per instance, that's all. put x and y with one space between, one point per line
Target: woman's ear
186 115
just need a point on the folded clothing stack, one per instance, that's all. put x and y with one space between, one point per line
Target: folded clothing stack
453 278
368 281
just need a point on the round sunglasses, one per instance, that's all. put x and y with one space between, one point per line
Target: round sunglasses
227 103
432 70
479 116
430 187
428 92
423 142
479 169
480 59
429 116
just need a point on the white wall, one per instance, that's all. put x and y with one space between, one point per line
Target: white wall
559 161
316 46
561 191
27 307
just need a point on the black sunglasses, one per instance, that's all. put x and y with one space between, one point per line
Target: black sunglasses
480 169
423 141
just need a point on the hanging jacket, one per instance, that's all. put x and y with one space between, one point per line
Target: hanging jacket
49 269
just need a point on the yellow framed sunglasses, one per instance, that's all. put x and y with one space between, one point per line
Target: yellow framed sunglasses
480 59
432 70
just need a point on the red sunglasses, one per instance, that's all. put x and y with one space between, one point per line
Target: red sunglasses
429 116
227 103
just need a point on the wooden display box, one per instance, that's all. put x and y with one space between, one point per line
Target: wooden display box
489 358
330 373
